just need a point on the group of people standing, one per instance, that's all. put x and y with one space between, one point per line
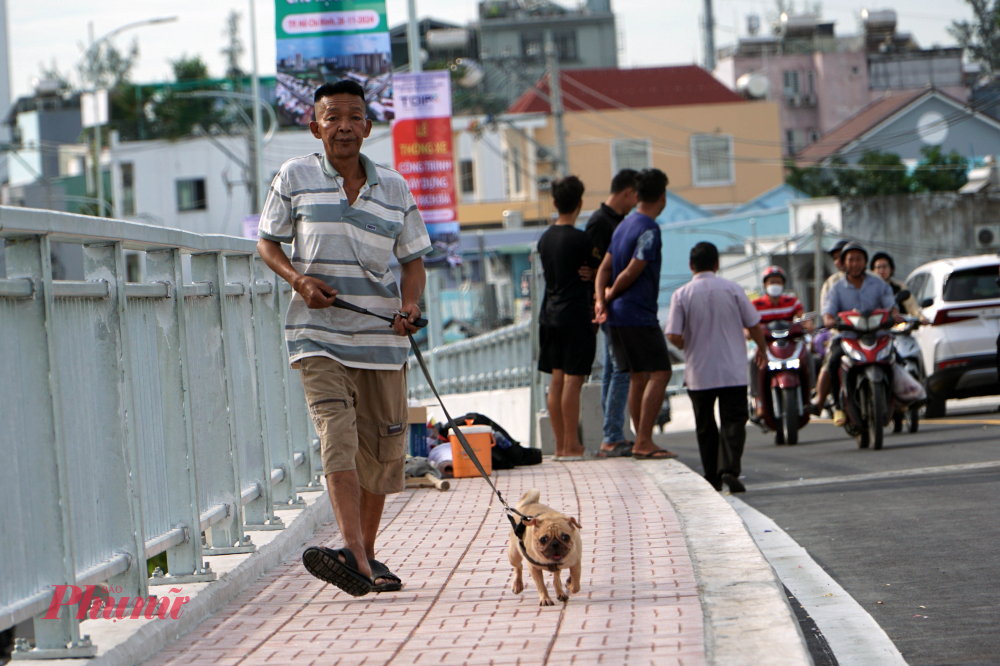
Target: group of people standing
607 275
708 320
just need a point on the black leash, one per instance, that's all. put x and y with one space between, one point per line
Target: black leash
518 526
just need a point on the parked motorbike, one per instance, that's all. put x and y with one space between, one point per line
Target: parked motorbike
784 384
866 374
908 356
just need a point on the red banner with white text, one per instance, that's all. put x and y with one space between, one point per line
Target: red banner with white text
422 141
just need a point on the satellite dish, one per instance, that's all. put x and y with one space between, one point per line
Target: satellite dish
752 85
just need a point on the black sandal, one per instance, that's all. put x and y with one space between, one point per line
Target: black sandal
324 563
379 570
620 450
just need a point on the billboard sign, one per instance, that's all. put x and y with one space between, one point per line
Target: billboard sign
421 134
321 41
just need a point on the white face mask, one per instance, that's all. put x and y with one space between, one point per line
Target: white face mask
774 290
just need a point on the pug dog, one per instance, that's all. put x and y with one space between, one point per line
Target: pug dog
553 541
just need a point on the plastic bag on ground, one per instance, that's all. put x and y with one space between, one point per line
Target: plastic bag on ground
905 387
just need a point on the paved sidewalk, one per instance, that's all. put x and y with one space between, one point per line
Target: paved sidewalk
638 604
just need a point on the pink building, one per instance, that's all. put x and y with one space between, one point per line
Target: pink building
820 80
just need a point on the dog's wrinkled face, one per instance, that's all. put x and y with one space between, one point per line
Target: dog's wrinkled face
553 537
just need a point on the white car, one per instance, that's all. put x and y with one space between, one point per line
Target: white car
961 298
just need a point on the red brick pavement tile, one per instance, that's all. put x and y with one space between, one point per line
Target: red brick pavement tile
638 605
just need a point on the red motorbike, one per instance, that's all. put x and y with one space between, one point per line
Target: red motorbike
866 374
785 383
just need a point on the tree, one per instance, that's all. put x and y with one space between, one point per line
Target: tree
878 174
175 114
234 48
938 172
52 73
981 37
104 66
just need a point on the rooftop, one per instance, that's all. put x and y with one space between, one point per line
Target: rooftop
851 129
610 87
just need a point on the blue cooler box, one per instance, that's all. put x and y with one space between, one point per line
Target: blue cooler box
418 432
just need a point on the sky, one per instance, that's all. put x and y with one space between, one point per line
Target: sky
655 32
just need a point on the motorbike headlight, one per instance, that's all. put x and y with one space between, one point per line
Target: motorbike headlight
792 364
883 353
852 352
774 365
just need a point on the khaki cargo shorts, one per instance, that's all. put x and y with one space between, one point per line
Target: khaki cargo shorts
361 418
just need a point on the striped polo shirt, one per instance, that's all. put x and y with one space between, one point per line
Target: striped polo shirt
349 248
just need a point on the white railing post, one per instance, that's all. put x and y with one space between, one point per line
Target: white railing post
251 459
184 560
52 556
217 448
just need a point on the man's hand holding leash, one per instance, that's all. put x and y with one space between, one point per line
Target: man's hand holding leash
403 326
316 293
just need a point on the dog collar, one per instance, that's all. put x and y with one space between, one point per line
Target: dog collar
524 551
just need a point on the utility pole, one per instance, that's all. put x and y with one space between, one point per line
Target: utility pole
555 94
99 182
818 263
489 296
413 38
709 36
117 193
258 161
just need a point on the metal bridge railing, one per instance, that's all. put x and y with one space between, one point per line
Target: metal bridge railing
500 359
137 416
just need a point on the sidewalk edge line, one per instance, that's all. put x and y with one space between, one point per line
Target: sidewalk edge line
851 632
154 636
747 617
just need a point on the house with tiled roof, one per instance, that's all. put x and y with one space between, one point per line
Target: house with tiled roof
903 123
718 149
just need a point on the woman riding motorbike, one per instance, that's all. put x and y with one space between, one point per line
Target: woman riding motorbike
884 267
774 305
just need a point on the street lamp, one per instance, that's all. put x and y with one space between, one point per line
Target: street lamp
90 55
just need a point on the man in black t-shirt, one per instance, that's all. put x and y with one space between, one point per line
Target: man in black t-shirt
615 382
567 336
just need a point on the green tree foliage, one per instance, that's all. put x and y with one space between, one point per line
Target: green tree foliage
938 172
175 113
878 173
981 37
104 66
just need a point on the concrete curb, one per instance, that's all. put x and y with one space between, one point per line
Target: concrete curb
156 635
747 616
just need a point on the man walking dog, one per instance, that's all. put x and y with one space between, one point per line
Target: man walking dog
345 217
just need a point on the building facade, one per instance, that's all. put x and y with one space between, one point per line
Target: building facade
819 80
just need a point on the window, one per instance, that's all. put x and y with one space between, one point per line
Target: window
810 82
916 284
515 159
631 154
533 45
128 188
712 160
467 176
795 140
813 136
976 284
928 290
791 80
191 194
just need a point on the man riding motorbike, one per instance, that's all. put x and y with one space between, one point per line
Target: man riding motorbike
836 254
860 291
773 306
